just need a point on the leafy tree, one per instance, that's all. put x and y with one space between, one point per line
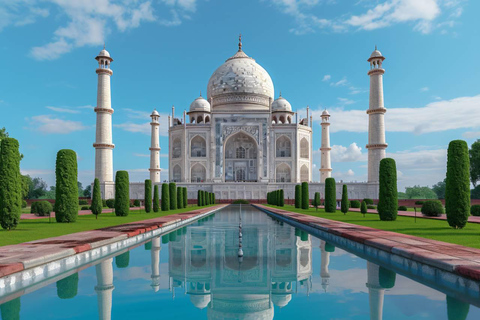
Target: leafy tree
305 196
345 203
80 189
66 198
316 200
97 203
474 155
402 195
156 203
185 197
88 191
179 198
10 184
387 198
26 181
330 195
122 194
298 196
148 195
418 192
439 188
173 195
67 287
457 193
475 193
165 197
37 188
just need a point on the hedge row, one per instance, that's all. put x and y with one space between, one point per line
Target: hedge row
205 198
276 197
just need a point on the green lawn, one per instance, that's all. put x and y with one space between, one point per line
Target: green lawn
29 230
426 228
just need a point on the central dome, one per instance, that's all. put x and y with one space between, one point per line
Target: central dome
240 75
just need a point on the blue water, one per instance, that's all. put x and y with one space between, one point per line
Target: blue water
195 273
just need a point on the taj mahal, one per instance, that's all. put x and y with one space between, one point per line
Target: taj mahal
239 141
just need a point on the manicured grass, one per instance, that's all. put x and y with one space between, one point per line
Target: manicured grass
426 228
29 230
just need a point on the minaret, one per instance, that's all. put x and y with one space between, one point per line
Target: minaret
155 252
325 166
103 144
155 149
104 288
376 124
324 274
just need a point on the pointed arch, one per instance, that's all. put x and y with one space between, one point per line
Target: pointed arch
241 160
304 148
283 147
198 173
304 174
283 173
177 148
177 173
198 147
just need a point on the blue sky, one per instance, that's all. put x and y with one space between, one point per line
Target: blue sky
315 51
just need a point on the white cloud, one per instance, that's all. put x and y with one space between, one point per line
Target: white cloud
145 126
63 109
347 154
424 89
326 77
412 120
50 125
145 155
471 135
345 101
340 83
135 127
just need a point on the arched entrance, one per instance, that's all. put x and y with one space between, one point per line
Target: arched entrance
241 161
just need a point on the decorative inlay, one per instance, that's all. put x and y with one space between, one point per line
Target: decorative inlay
378 110
229 130
376 146
154 149
103 145
103 110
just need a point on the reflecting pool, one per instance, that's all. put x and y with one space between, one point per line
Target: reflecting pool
196 273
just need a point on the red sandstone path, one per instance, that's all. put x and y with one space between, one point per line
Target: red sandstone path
31 216
454 258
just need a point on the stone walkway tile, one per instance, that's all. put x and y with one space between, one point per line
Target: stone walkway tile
472 272
380 243
6 269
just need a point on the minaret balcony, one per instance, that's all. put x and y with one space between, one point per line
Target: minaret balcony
103 110
104 70
104 145
325 149
154 148
376 71
378 110
377 146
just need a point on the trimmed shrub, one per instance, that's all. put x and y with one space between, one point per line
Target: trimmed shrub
122 194
66 188
122 260
24 204
44 208
11 310
240 201
368 201
330 195
371 207
345 203
110 203
456 309
281 202
156 200
387 196
457 192
104 203
212 200
179 198
185 197
355 204
67 287
298 196
148 245
316 200
204 195
305 196
363 208
402 208
85 208
329 247
96 206
136 203
165 197
199 198
207 198
33 207
213 197
173 195
475 210
148 195
82 202
386 278
419 202
432 208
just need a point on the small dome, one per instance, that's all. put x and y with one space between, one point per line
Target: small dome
376 55
325 113
200 104
104 53
281 300
200 301
155 113
281 104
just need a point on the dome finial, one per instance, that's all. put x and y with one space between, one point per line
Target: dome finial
103 45
280 94
375 47
240 42
200 93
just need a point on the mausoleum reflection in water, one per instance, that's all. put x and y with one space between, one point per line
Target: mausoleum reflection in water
202 276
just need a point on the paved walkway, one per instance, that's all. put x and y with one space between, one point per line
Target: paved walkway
450 257
31 216
18 257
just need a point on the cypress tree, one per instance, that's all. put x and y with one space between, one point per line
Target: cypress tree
388 196
11 310
10 184
298 196
305 196
148 195
456 309
122 194
457 192
156 200
185 197
66 187
330 195
317 200
67 287
173 195
165 197
199 198
122 260
213 197
345 203
282 198
204 194
207 198
179 198
97 203
363 208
